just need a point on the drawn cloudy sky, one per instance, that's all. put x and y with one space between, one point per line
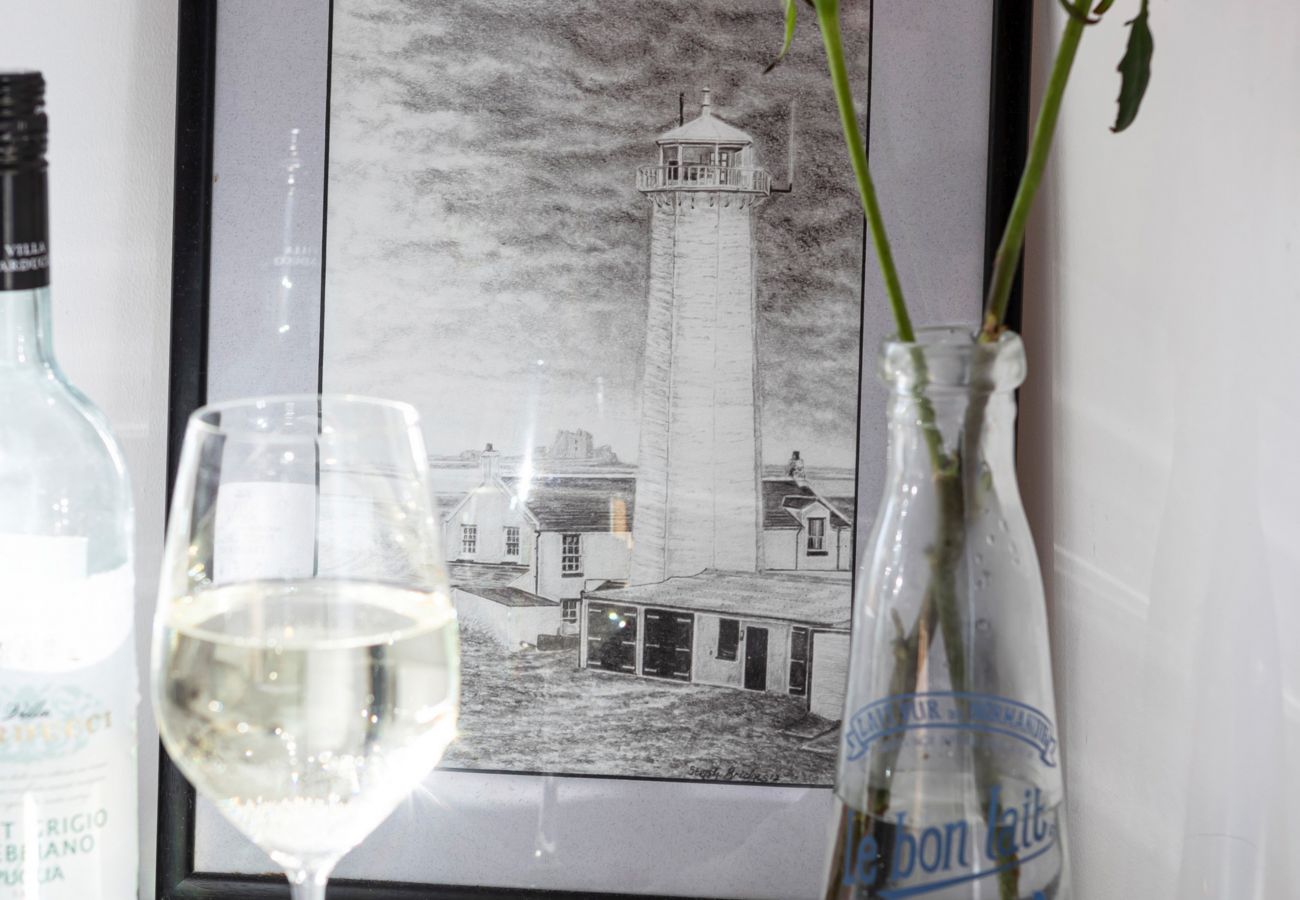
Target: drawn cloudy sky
487 248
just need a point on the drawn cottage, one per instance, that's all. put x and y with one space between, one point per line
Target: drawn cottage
522 551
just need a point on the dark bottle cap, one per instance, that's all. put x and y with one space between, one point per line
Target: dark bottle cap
24 226
23 126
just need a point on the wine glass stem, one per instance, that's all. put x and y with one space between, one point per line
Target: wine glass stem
307 885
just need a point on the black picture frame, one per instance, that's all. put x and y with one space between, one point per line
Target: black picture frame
176 878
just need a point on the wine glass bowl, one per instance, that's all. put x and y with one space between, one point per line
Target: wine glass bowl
305 652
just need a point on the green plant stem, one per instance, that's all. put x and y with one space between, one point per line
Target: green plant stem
1007 259
828 17
940 606
1005 263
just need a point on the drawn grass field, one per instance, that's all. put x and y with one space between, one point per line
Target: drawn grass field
519 708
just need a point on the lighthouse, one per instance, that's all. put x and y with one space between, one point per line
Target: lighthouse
699 466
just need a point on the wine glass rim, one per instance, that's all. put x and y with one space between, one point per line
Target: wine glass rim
200 417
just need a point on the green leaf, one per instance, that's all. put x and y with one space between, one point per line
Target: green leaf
1100 8
789 35
1134 69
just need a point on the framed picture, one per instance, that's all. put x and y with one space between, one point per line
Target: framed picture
621 272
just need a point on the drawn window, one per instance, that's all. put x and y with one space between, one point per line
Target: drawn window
512 540
799 645
816 535
571 554
569 611
469 539
728 638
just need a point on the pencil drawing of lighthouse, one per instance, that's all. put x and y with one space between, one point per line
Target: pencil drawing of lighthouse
640 354
699 466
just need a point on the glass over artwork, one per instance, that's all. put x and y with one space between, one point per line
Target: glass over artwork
620 261
305 659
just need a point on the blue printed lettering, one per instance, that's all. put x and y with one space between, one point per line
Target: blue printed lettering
902 841
865 867
1041 826
936 857
891 717
923 849
949 829
863 862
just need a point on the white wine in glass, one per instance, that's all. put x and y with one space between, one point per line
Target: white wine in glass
305 653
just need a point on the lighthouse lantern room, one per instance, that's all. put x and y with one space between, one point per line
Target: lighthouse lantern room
705 153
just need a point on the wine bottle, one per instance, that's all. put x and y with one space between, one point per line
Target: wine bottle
68 681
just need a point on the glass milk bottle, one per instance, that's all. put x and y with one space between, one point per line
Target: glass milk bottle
949 784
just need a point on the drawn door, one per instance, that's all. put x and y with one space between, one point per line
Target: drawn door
611 637
667 651
756 659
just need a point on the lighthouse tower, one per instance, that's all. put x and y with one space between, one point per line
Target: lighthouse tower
699 466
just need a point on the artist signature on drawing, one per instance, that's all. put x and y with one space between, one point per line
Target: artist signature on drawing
718 772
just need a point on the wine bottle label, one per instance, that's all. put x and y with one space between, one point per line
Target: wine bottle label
68 697
24 232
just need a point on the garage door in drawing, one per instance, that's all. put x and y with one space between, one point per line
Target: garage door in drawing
611 637
667 651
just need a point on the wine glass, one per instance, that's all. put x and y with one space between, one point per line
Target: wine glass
305 655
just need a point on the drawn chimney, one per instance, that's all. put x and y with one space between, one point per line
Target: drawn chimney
794 468
490 459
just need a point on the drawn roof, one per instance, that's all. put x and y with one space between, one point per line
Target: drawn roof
706 128
594 503
823 600
489 574
579 502
782 497
507 596
448 501
845 506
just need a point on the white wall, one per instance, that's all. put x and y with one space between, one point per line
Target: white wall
830 673
606 555
1160 427
111 73
780 547
510 626
491 508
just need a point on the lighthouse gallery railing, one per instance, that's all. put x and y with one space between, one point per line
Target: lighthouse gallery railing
703 177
